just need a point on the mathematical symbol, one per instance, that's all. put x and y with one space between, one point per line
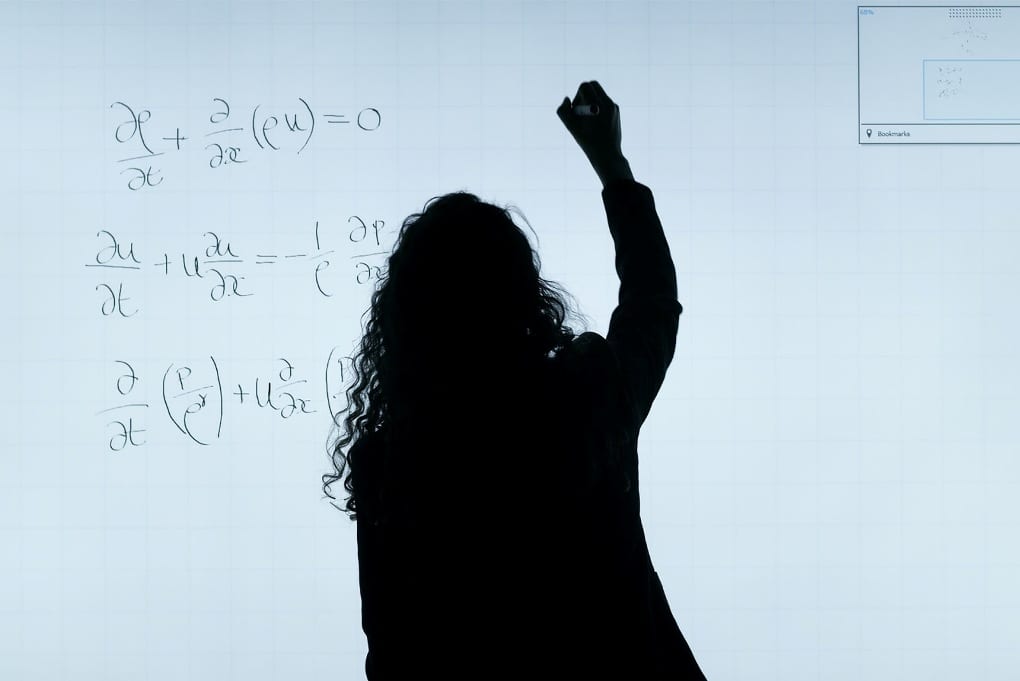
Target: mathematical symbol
165 264
177 139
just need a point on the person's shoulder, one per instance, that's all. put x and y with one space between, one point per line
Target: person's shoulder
590 358
598 379
589 339
586 347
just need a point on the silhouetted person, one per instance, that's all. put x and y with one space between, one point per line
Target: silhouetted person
494 468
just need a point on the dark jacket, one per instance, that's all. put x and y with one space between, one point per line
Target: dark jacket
525 572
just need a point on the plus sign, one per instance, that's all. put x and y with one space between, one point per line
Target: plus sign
176 139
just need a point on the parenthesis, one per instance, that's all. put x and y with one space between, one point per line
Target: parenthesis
219 384
188 430
167 404
253 126
311 129
329 402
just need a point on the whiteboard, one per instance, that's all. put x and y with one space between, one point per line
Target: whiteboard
829 476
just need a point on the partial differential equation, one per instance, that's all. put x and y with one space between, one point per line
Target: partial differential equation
226 138
224 270
200 399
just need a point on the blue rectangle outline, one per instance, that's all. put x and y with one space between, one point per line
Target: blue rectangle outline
924 94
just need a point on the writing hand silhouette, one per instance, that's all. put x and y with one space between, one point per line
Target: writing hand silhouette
599 135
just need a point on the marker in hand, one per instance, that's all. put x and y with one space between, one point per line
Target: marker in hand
586 109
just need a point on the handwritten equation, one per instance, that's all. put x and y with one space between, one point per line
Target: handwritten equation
969 37
198 399
949 81
225 140
220 265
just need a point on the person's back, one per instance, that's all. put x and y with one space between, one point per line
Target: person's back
520 570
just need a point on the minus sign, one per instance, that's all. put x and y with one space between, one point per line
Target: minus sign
297 255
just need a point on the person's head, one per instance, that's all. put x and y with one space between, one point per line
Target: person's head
459 311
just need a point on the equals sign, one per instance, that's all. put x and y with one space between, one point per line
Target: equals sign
265 262
335 116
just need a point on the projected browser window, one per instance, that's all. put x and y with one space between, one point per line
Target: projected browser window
938 75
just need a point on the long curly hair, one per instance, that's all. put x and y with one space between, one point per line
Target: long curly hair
461 290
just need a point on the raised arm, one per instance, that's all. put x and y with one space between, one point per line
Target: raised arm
643 327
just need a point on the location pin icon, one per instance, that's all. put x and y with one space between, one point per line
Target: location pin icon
868 131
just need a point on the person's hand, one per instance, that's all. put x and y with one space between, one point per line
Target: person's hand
597 135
